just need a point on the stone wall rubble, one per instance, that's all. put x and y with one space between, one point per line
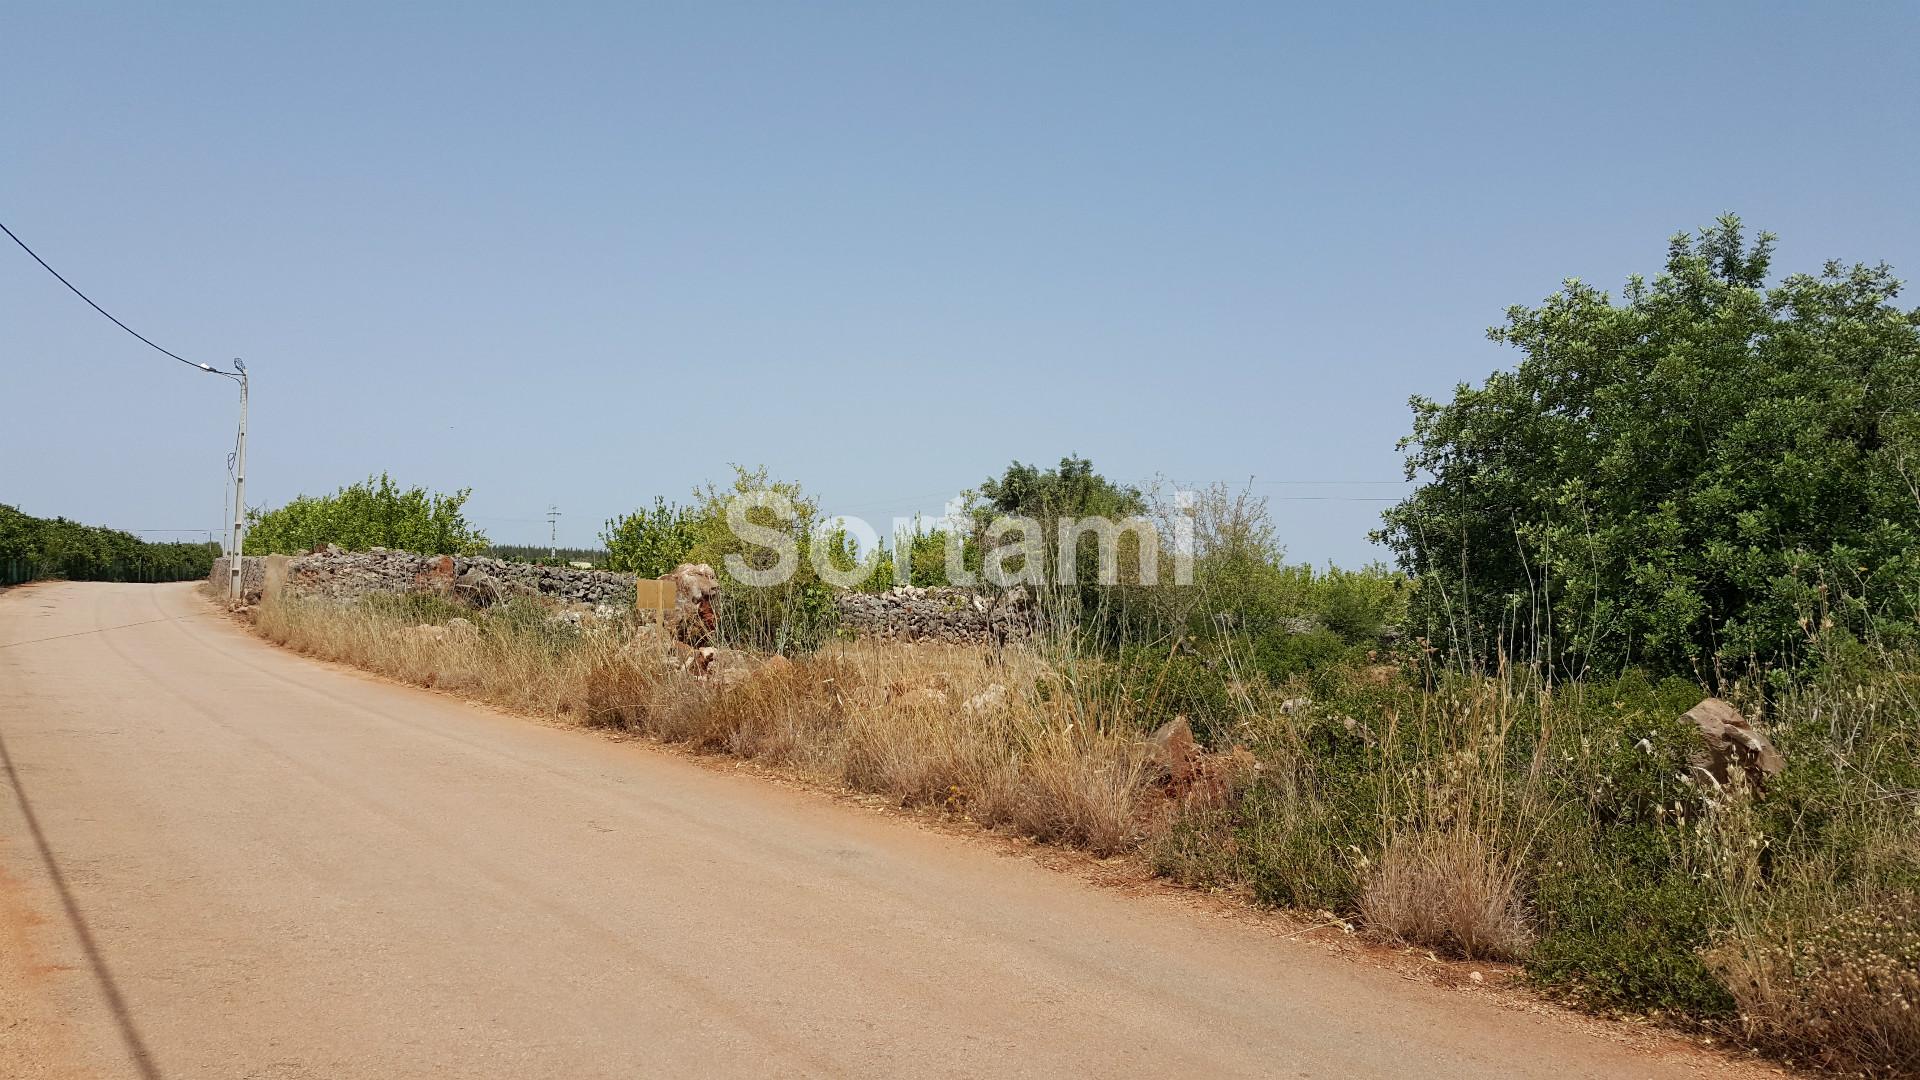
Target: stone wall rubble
343 575
904 614
937 613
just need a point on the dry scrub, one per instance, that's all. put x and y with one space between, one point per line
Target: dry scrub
1452 890
1843 992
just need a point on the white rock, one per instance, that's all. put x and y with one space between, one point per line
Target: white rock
992 699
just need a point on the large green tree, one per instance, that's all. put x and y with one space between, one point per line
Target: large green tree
1070 593
1070 489
1678 478
377 513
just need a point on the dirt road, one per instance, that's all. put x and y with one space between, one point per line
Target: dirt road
222 860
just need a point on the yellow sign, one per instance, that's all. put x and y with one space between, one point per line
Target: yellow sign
655 595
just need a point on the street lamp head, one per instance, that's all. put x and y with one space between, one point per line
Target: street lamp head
206 367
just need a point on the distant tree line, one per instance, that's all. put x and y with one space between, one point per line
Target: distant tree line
542 553
32 548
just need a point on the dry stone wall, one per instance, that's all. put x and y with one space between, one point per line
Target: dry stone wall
252 575
346 575
947 615
939 613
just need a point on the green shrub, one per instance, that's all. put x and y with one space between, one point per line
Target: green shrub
1670 480
1624 926
1302 847
1359 605
792 616
1143 686
1280 655
651 542
377 513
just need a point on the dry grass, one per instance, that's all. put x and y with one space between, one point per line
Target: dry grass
957 728
506 666
1842 992
1450 890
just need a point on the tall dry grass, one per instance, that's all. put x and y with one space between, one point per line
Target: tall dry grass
1451 890
1457 818
515 662
1822 955
1838 987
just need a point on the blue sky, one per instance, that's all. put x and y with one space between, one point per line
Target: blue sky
587 254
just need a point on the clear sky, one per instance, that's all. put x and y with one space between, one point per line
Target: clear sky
587 254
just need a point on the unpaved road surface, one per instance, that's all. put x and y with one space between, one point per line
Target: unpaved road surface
223 860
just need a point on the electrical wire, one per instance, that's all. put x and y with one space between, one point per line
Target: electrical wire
110 318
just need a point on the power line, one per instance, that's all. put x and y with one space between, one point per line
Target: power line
1328 483
1256 481
76 291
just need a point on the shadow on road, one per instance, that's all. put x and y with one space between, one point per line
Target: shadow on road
129 1032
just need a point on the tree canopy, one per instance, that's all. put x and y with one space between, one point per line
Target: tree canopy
1070 489
32 547
377 513
653 540
1678 478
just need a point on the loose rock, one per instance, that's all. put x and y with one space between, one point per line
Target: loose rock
1731 744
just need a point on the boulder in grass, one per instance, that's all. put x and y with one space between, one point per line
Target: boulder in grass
924 698
1730 744
695 587
1175 754
476 588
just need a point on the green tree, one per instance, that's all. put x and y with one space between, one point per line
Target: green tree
652 541
795 613
377 513
926 557
1070 489
1070 595
33 547
1677 478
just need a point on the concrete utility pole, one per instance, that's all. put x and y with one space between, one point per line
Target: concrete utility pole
235 587
553 531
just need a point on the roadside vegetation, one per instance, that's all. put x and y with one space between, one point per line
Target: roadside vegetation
1707 487
33 548
375 513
